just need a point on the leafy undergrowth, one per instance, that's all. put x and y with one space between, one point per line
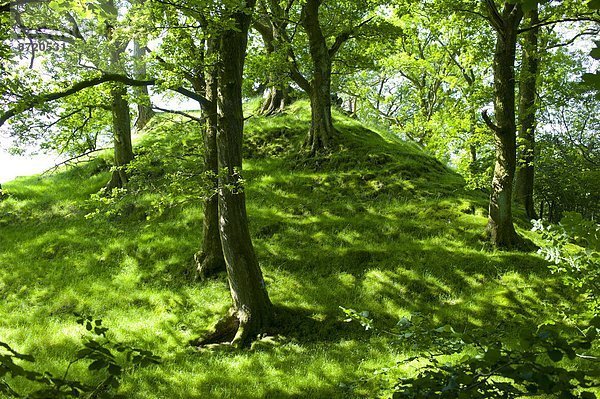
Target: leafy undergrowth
377 226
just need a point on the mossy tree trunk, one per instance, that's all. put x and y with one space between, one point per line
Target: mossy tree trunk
252 311
121 124
210 259
500 222
524 180
275 100
277 89
321 133
144 108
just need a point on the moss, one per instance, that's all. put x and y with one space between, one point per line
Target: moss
375 225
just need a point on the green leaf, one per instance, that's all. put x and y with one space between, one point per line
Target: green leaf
555 355
594 4
595 53
97 365
114 369
492 355
528 5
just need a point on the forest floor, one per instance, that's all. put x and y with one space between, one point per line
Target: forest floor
378 226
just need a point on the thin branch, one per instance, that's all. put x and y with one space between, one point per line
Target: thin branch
170 111
77 87
584 18
75 158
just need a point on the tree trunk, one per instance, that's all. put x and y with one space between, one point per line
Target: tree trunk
145 112
210 260
500 223
274 101
252 311
524 179
123 150
321 134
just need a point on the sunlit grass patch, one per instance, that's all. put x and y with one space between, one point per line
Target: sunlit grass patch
375 226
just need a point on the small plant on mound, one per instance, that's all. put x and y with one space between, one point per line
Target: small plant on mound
578 266
490 369
106 357
486 366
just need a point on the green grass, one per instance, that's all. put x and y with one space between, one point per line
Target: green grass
377 226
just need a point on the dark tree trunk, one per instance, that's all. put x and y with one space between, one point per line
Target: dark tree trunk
524 179
210 260
321 134
123 150
252 311
144 108
500 223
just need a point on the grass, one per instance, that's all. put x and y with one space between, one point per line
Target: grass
377 226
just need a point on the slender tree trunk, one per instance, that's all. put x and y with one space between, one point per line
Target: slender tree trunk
144 108
252 311
123 150
524 180
321 134
500 223
210 259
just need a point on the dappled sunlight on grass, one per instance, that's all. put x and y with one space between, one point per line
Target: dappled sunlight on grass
377 226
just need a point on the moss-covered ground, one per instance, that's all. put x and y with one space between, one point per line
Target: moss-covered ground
378 226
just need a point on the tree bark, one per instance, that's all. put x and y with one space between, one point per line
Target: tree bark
321 133
500 222
524 180
275 100
252 310
210 259
121 122
145 112
276 93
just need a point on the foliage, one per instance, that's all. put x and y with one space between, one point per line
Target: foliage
578 265
106 358
493 370
479 364
166 172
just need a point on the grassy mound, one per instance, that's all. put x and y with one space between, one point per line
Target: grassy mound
377 226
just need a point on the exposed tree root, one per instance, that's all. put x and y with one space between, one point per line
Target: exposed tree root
208 266
238 329
223 332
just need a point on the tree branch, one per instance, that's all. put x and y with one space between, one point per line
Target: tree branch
77 87
583 18
488 121
170 111
345 36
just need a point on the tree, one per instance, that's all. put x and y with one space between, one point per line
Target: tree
224 39
524 178
97 46
344 20
506 23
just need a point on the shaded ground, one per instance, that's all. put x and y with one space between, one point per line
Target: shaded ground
377 226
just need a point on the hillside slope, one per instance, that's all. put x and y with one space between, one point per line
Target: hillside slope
377 226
